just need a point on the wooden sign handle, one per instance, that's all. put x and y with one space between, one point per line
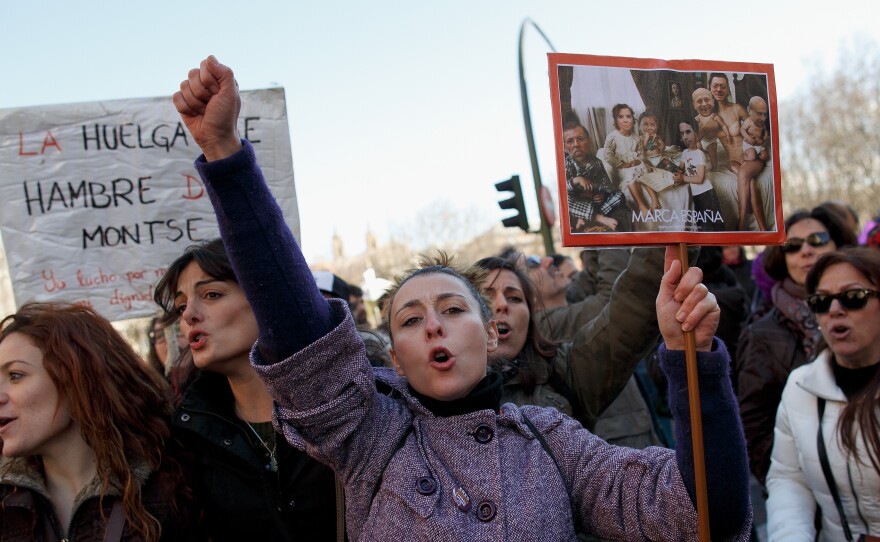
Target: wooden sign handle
690 342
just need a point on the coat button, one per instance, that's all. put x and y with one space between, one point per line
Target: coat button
461 499
483 434
426 486
486 511
227 442
184 417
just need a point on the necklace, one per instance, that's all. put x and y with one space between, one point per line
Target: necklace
273 461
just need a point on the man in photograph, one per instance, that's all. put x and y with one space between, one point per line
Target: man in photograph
593 204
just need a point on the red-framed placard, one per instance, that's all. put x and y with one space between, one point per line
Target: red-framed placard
656 152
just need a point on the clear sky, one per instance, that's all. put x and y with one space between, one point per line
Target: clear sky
396 107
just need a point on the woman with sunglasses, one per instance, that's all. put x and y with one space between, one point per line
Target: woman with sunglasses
834 399
786 337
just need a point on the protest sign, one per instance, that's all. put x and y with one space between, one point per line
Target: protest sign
662 152
97 198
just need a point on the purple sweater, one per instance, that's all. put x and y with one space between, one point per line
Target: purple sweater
404 468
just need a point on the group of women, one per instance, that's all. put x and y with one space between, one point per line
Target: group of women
435 454
92 450
216 469
817 344
788 335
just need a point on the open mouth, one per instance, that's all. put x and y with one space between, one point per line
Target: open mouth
5 421
441 358
503 330
197 340
839 331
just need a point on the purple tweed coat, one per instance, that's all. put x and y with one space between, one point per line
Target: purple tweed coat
481 476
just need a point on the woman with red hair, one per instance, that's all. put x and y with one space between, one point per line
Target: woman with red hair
86 447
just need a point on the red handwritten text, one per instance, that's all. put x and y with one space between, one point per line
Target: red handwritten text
48 141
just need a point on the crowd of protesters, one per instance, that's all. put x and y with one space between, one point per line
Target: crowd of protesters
513 398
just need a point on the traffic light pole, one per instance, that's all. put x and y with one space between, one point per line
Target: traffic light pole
527 119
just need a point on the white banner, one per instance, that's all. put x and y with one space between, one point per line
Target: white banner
97 198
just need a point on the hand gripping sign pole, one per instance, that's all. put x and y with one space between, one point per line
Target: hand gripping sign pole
690 342
633 170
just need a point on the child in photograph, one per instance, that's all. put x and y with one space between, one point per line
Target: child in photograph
652 151
594 208
651 143
709 124
754 132
653 147
693 172
623 150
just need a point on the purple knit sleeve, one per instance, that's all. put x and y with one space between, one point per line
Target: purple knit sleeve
724 445
289 309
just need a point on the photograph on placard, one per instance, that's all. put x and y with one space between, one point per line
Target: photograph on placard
652 151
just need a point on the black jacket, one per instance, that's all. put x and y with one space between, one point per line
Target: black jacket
768 352
244 499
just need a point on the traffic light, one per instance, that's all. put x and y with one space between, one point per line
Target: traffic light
516 202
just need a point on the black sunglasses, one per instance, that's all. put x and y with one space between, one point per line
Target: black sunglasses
850 299
818 239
